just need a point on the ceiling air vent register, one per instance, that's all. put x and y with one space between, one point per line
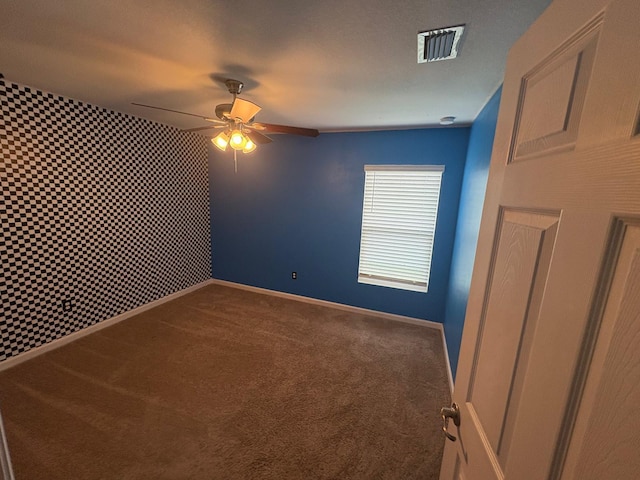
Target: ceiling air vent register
439 44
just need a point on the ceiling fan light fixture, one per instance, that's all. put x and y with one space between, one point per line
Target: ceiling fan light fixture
237 140
237 119
221 141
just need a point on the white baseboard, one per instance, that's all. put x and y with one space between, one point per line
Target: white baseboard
447 362
326 303
34 352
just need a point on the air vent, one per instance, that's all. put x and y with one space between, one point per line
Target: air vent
439 44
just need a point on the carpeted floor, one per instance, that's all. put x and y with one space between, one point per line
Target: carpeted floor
228 384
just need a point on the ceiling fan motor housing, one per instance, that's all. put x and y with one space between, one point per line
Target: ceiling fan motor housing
223 110
234 86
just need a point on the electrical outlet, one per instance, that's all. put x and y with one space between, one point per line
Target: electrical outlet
67 305
294 275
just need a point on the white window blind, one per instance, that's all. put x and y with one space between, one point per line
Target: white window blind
398 225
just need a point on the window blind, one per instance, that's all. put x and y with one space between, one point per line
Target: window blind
399 214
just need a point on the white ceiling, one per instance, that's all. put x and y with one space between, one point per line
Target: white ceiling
326 64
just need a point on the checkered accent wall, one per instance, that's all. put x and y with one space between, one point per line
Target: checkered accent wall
101 213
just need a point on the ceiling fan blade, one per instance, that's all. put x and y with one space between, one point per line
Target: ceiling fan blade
258 138
208 127
244 110
208 119
271 127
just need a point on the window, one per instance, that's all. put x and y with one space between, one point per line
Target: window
398 225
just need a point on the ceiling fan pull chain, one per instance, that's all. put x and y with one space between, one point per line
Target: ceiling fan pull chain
235 161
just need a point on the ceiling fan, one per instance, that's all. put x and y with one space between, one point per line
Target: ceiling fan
236 119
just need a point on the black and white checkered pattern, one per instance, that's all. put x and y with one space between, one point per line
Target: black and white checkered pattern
101 209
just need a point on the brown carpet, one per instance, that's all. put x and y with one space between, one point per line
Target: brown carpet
228 384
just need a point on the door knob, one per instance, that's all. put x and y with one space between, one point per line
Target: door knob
452 412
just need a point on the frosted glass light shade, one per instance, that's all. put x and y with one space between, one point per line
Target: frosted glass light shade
249 147
237 140
221 141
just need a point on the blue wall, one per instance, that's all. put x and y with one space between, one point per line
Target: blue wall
473 189
296 205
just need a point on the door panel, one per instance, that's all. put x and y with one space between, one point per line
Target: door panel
549 367
607 430
611 108
611 442
552 95
522 259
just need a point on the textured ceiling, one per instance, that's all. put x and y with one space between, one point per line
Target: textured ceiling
326 64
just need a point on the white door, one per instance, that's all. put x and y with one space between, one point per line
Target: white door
548 382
